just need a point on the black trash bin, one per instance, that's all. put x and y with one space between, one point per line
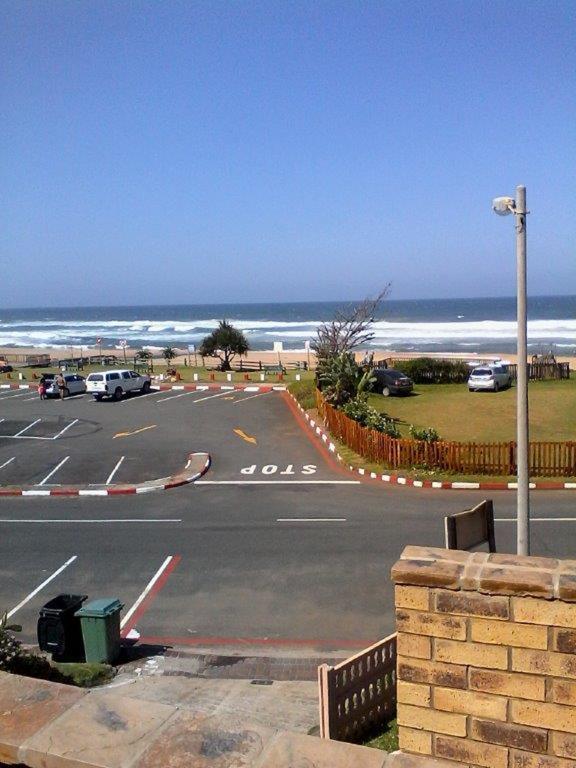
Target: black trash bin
59 631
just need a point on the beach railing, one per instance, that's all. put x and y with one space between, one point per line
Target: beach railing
358 696
547 458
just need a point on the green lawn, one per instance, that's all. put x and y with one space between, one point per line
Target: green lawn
461 415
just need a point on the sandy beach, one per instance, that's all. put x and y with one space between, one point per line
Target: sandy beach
266 357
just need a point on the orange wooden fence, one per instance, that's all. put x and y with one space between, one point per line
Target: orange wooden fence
547 459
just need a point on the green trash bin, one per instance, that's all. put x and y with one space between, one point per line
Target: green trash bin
100 620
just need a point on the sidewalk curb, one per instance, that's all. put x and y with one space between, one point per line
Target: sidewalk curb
249 387
414 483
200 461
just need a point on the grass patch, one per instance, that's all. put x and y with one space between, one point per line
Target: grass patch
86 675
186 374
387 739
458 414
305 392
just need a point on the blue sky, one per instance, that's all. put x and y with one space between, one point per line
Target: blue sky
221 150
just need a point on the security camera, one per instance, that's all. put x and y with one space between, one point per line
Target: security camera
503 205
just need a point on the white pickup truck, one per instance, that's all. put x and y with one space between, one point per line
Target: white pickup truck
116 384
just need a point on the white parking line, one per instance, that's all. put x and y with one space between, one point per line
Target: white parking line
277 482
7 462
56 468
537 519
147 589
41 586
27 428
111 475
64 430
140 397
243 400
20 394
175 397
211 397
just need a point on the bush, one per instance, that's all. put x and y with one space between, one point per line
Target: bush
10 647
427 434
359 410
305 393
427 370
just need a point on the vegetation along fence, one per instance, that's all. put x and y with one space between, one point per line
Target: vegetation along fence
359 695
547 459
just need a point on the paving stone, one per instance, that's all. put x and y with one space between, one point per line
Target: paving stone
216 742
106 731
294 750
26 706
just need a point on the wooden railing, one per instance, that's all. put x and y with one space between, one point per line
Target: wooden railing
547 459
358 696
542 371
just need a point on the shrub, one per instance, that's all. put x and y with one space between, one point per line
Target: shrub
10 647
427 434
359 410
427 370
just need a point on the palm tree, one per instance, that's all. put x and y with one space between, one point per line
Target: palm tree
169 353
146 357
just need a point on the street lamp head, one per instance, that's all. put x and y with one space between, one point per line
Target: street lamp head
503 205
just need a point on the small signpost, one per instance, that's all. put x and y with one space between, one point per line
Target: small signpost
192 351
99 342
124 343
471 528
307 348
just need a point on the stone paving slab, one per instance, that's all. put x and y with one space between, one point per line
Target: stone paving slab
293 750
106 731
26 706
280 705
220 742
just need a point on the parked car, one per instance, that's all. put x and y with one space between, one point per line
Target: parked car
75 385
391 382
491 377
117 383
6 369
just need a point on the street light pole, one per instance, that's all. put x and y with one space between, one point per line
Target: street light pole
504 206
522 429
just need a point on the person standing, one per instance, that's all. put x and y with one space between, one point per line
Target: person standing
42 388
61 385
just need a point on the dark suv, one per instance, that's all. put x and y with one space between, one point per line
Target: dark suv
391 382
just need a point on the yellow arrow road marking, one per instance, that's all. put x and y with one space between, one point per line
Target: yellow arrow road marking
244 436
135 432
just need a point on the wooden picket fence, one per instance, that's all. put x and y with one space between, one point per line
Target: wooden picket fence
547 459
358 696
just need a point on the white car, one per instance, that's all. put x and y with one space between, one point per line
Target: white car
492 377
74 385
116 384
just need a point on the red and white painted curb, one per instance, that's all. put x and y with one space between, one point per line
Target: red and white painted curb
186 387
196 466
414 483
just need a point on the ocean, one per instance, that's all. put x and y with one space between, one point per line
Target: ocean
431 325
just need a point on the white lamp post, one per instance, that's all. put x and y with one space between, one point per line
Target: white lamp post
504 206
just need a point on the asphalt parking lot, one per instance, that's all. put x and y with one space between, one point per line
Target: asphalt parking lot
274 547
78 441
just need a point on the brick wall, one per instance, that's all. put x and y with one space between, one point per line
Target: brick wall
486 664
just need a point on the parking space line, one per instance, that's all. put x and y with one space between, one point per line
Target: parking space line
111 475
140 397
535 519
243 400
170 563
174 397
95 520
53 472
211 397
41 586
26 428
64 430
20 394
7 462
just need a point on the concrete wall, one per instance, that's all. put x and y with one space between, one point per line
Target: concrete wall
486 664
